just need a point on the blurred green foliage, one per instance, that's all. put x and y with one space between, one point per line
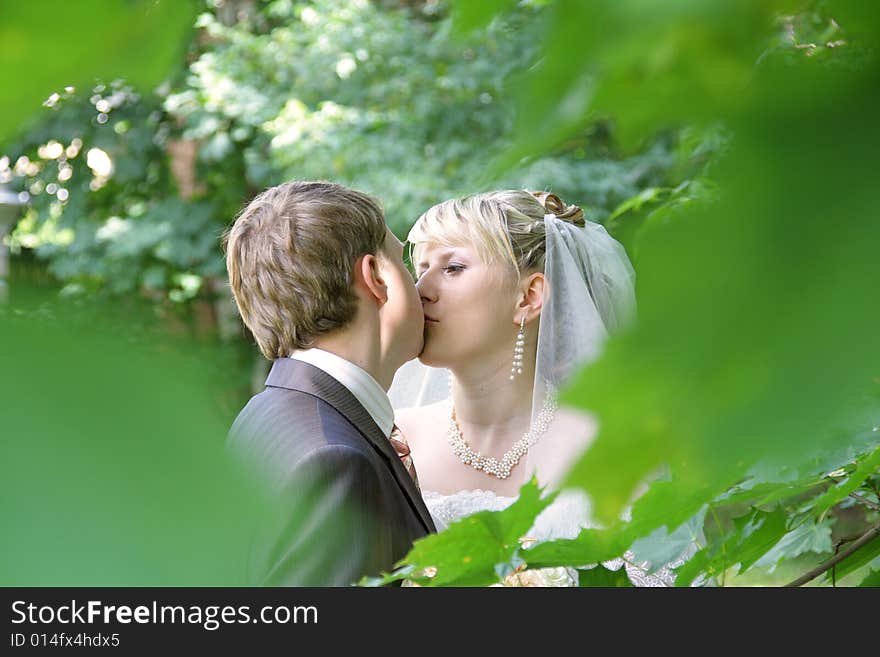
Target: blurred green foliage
748 396
729 146
110 468
384 97
111 472
51 45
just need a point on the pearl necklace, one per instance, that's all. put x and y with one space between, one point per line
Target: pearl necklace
491 466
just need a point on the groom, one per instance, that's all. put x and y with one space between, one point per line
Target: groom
320 281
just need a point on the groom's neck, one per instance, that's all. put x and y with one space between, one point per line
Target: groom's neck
358 347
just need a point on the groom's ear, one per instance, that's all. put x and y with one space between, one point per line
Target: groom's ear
368 275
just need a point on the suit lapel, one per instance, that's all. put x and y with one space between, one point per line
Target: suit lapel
297 375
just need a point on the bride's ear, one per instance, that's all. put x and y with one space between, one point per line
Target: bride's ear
531 298
368 276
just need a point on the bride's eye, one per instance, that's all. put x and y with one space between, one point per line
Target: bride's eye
453 269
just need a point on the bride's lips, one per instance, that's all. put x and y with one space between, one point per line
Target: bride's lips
430 320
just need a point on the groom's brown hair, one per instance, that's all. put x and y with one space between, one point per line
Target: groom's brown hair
290 257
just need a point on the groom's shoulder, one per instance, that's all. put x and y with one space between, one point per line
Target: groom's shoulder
273 406
282 434
285 424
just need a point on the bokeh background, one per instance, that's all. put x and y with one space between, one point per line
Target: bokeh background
730 147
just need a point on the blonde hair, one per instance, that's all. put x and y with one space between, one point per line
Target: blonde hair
290 256
503 226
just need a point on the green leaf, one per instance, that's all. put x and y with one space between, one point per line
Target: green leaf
807 537
858 17
693 60
472 550
751 536
784 492
468 15
767 493
388 578
660 547
600 576
871 580
870 465
689 571
751 491
705 383
757 535
99 495
669 503
590 546
512 524
139 40
647 195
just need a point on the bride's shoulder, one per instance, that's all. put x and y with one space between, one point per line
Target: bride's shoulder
417 421
577 424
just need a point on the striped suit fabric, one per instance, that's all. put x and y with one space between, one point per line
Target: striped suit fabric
343 504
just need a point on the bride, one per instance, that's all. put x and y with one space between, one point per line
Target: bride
518 292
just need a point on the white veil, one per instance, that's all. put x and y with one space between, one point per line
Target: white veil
589 294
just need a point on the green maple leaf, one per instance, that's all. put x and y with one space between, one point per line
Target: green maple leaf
478 549
807 537
600 576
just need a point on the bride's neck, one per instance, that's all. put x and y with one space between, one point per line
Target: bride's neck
489 402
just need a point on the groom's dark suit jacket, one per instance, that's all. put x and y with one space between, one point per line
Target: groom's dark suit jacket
348 507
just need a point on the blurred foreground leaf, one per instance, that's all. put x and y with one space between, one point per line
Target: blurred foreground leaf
648 65
756 338
47 46
113 470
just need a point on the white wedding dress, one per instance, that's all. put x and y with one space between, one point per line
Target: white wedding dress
564 518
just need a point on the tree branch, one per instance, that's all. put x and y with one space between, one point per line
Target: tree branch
849 538
865 501
866 538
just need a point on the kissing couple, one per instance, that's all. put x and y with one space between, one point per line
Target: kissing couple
513 292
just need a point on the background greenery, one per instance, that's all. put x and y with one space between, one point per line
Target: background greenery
727 145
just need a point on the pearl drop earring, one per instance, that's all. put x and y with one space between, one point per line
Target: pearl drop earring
518 349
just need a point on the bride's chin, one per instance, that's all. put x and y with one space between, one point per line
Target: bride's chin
429 356
430 362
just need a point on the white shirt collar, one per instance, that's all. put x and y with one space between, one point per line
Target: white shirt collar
359 382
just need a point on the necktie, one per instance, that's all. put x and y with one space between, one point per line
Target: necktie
402 449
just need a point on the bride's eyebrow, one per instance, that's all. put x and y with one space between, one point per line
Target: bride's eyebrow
441 255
